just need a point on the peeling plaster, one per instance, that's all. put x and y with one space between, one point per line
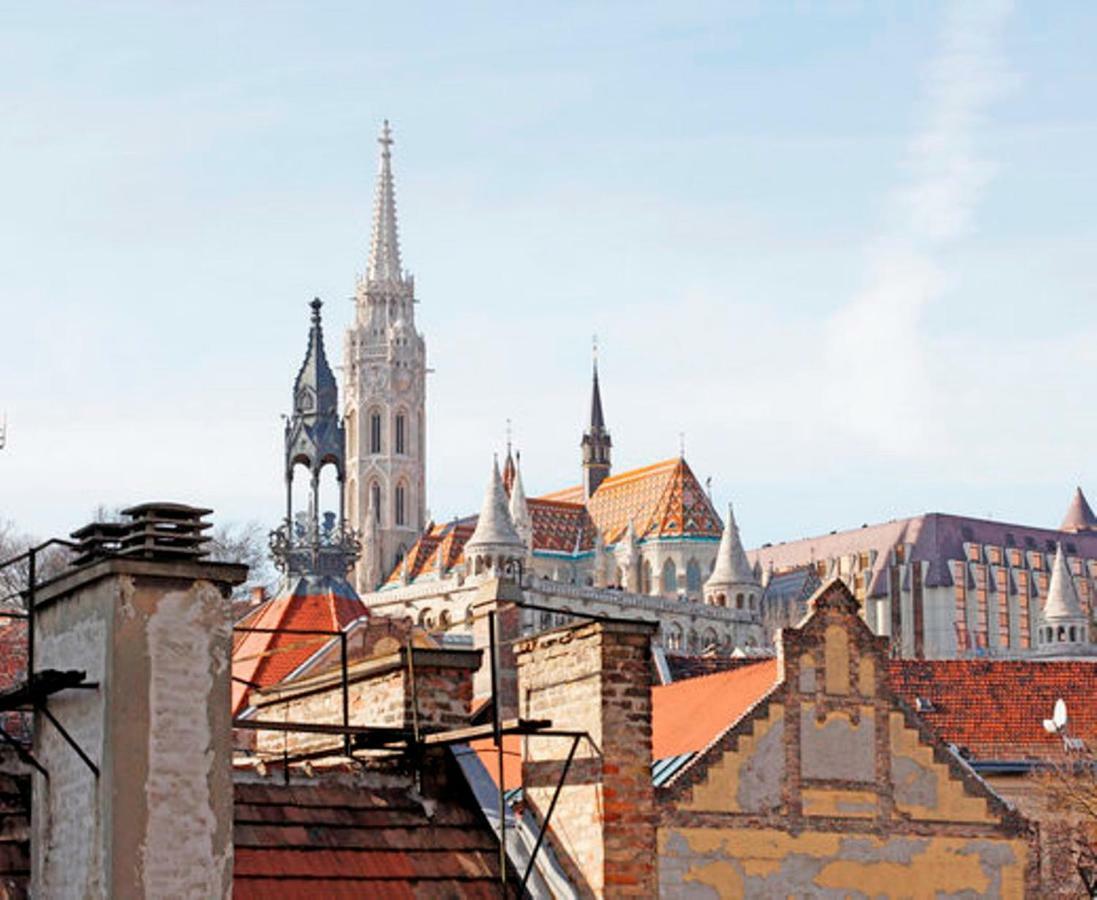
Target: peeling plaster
178 850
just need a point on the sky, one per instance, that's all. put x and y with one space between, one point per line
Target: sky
845 249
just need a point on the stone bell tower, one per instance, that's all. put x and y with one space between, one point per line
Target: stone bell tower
385 398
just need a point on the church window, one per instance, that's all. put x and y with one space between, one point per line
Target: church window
738 601
674 637
670 577
400 516
375 432
693 576
645 578
400 419
375 501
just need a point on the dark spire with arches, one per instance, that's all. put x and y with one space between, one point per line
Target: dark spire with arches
314 541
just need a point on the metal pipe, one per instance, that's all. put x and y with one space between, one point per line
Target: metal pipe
32 576
70 740
548 815
497 734
346 689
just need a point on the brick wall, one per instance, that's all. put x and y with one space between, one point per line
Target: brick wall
594 678
379 694
13 669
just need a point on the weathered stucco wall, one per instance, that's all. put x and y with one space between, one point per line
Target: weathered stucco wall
158 820
829 788
769 862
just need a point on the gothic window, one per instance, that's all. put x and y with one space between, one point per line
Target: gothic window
645 578
670 577
738 601
400 515
708 639
375 501
693 576
400 420
674 636
375 432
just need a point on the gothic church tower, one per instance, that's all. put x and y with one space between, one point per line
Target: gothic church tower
385 392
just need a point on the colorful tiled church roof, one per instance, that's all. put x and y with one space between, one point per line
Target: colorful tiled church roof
662 500
307 603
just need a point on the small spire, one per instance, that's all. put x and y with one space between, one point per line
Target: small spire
384 254
732 566
597 420
1062 602
519 508
494 533
1079 516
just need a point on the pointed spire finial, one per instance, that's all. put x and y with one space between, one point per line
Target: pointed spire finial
316 304
384 254
681 445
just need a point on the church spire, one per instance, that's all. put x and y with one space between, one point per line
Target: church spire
384 251
596 441
314 541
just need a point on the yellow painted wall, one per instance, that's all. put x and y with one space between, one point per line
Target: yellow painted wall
724 859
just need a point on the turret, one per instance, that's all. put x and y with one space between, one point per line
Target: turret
314 541
1064 625
519 507
1079 516
733 582
495 544
596 443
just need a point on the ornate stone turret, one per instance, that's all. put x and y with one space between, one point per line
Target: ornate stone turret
733 582
1063 622
311 541
596 443
1079 516
518 507
385 371
495 543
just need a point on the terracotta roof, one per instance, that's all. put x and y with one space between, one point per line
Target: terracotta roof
308 603
689 715
564 527
684 667
996 708
512 759
364 837
663 500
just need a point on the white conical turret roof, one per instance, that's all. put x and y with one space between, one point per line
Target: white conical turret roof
495 532
732 566
519 508
1062 597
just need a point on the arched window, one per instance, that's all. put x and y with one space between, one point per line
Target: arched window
374 432
693 577
738 601
674 636
375 501
443 619
400 429
400 514
670 577
645 578
708 639
751 600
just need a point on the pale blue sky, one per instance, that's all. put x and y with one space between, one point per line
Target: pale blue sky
847 248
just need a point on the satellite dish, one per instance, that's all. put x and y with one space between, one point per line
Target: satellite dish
1059 716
